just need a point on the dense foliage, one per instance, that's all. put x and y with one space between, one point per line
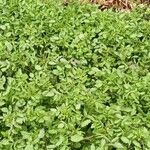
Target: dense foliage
73 77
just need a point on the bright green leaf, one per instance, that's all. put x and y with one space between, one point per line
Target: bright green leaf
125 140
8 45
76 138
85 123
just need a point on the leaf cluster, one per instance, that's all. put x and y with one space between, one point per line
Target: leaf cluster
73 77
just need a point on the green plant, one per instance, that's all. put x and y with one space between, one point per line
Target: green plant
73 78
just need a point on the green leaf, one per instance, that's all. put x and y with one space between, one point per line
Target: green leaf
77 145
78 106
125 140
41 133
118 145
98 83
76 138
29 147
37 67
49 93
148 144
136 143
51 147
68 66
94 70
93 147
4 109
2 103
56 72
103 142
51 63
31 75
20 120
61 139
4 142
52 131
61 125
3 27
8 45
85 123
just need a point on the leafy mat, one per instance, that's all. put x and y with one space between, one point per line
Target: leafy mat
73 77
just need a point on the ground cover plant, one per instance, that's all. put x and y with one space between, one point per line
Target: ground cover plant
73 77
